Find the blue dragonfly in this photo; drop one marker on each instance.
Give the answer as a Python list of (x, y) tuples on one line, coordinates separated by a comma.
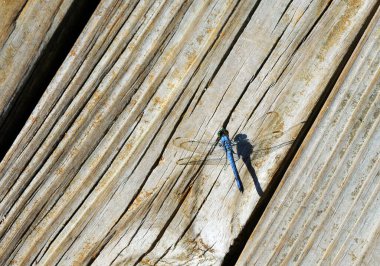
[(224, 150), (224, 141)]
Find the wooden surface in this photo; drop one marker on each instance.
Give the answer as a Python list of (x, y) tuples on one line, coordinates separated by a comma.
[(326, 211), (25, 29), (92, 176)]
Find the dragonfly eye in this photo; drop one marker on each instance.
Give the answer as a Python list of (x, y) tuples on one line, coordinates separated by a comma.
[(222, 132)]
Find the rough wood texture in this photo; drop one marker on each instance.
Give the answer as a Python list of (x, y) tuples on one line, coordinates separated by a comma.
[(92, 177), (25, 28), (8, 14), (326, 211)]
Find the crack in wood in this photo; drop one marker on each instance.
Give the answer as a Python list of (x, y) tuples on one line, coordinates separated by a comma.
[(239, 243), (44, 70), (157, 201)]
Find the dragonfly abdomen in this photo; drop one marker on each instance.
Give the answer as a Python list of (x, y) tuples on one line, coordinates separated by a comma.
[(234, 169), (228, 147)]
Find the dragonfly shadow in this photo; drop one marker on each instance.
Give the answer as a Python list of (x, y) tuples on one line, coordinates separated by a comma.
[(244, 150)]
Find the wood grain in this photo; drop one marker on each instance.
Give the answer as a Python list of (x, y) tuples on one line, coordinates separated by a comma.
[(327, 207), (25, 29), (92, 177)]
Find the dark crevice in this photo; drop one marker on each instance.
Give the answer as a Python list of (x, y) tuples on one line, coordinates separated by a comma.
[(100, 248), (236, 38), (20, 10), (159, 157), (155, 163), (239, 243), (285, 67), (162, 256), (171, 134), (60, 187), (231, 46), (44, 70), (70, 245), (107, 129), (59, 138), (165, 43), (250, 81), (60, 230), (12, 251), (164, 228), (69, 123), (223, 97), (283, 13), (267, 57), (196, 214), (253, 77), (312, 27), (224, 55), (88, 194), (197, 102)]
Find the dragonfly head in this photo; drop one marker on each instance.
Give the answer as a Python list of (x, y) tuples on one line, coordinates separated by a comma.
[(222, 132)]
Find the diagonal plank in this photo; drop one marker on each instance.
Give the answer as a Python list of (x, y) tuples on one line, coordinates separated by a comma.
[(93, 177), (9, 12), (327, 207), (35, 37), (21, 42)]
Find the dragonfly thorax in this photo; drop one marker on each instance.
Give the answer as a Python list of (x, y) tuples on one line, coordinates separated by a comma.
[(222, 132)]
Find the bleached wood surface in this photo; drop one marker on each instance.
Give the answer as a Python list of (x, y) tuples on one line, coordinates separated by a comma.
[(326, 211), (25, 29), (92, 177)]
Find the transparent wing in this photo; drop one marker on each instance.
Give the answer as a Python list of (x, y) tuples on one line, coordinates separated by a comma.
[(193, 145), (199, 146), (263, 151), (255, 154), (265, 144), (203, 160), (266, 140)]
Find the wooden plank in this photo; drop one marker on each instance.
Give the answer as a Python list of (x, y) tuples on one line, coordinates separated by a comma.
[(93, 177), (8, 13), (327, 207), (26, 27)]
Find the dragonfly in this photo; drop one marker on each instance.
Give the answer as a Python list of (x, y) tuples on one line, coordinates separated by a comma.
[(224, 150)]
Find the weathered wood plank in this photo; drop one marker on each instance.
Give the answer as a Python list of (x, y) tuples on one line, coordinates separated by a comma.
[(26, 27), (92, 177), (8, 13), (326, 211)]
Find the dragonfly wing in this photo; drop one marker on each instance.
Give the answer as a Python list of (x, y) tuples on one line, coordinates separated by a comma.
[(266, 139), (267, 124), (263, 151), (269, 128), (199, 160), (246, 148), (192, 144), (199, 146), (265, 144), (202, 160)]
